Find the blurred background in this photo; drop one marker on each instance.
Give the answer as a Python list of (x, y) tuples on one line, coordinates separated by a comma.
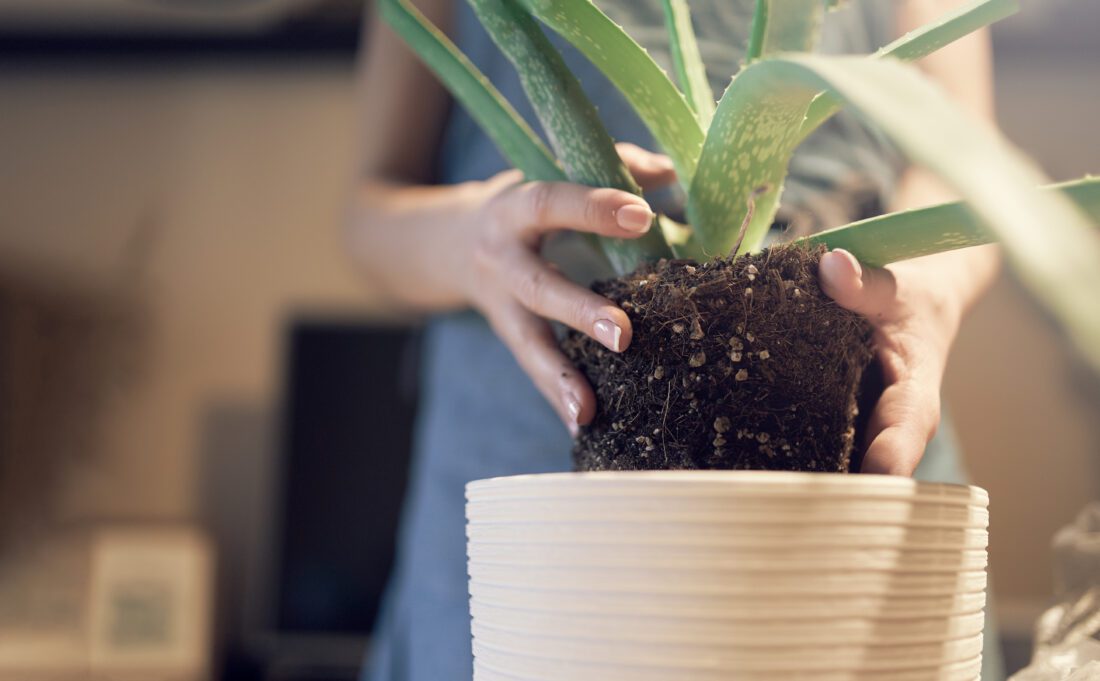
[(204, 413)]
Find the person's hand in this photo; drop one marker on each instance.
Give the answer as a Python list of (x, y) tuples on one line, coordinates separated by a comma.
[(916, 313), (504, 278)]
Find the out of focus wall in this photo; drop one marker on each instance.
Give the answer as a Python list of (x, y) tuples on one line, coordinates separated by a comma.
[(159, 225), (160, 222), (1025, 408), (206, 202)]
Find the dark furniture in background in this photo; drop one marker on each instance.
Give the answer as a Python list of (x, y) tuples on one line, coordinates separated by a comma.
[(303, 504), (167, 30), (345, 449), (345, 445)]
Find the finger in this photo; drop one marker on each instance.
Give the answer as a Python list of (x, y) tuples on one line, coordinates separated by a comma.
[(903, 422), (506, 177), (535, 208), (533, 344), (547, 293), (652, 171), (869, 291)]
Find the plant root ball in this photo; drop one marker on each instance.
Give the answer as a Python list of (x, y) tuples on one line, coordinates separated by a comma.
[(734, 364)]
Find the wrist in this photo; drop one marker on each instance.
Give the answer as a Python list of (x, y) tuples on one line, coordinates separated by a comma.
[(411, 242), (942, 288), (964, 274)]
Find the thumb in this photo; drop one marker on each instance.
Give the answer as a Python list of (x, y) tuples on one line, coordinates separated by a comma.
[(869, 291), (902, 424)]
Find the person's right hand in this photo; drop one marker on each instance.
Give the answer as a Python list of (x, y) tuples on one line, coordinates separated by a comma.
[(503, 276)]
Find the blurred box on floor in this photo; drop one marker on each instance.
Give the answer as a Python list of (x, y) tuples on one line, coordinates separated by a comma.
[(132, 602)]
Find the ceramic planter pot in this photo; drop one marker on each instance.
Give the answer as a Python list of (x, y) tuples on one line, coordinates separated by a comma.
[(725, 575)]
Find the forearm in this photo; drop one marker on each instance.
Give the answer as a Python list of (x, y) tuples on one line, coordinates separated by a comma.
[(406, 239), (964, 70), (915, 306), (403, 234)]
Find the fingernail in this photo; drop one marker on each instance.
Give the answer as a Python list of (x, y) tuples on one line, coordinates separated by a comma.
[(827, 268), (661, 162), (834, 271), (609, 333), (573, 406), (634, 218), (852, 260)]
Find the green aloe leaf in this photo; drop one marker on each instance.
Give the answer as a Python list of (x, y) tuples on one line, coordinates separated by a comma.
[(908, 234), (1052, 245), (784, 26), (691, 73), (658, 102), (963, 20), (766, 183), (578, 136), (511, 134), (959, 22), (740, 174), (576, 133)]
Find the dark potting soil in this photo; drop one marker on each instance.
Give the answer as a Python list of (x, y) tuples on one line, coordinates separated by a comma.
[(742, 364)]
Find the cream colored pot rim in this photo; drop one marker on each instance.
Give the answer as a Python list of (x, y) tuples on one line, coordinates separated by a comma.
[(764, 482)]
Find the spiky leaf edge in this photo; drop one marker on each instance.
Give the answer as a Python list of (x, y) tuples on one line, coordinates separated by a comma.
[(576, 132), (485, 104), (651, 93), (797, 28), (715, 230), (691, 73), (906, 234), (956, 24)]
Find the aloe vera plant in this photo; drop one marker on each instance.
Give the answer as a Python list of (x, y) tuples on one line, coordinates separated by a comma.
[(731, 156)]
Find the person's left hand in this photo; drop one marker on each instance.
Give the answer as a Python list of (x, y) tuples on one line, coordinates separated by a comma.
[(916, 315)]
